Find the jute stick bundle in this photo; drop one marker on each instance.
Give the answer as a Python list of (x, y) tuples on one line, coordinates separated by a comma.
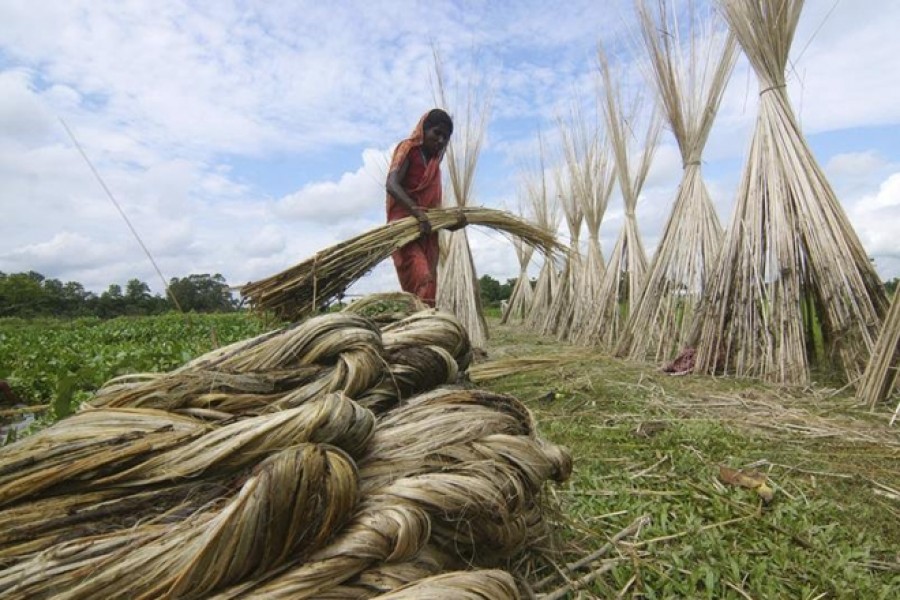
[(792, 270), (522, 295), (627, 265), (558, 317), (881, 372), (458, 291), (307, 287), (548, 216), (690, 89)]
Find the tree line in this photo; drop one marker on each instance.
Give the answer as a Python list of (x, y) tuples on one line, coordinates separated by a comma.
[(29, 295)]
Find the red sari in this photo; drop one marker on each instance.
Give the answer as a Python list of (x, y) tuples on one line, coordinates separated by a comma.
[(416, 262)]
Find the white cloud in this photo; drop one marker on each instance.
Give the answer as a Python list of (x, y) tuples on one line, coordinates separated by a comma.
[(325, 202), (169, 100), (875, 217), (65, 250)]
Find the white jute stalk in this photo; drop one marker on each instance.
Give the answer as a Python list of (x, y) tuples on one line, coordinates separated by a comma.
[(690, 78), (791, 265), (548, 217), (458, 291), (628, 261), (881, 372)]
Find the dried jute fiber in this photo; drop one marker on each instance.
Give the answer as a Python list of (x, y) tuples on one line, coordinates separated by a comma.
[(326, 460)]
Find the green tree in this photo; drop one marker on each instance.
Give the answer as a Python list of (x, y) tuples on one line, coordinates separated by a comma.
[(492, 291), (76, 299), (202, 293), (138, 299), (111, 302), (891, 286), (21, 294)]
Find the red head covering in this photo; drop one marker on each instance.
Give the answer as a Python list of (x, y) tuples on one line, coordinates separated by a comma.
[(423, 179)]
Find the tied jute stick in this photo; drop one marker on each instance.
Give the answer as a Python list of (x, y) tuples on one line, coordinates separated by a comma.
[(293, 293)]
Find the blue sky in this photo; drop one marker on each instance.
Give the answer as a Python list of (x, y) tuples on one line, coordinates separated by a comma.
[(242, 137)]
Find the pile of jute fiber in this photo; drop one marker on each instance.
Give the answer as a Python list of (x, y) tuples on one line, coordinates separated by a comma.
[(325, 460)]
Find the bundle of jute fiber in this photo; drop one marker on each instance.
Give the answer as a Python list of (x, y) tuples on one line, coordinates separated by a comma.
[(30, 527), (99, 479), (384, 577), (97, 448), (462, 585), (289, 505), (455, 474), (332, 352), (284, 369), (305, 288), (320, 500), (422, 351)]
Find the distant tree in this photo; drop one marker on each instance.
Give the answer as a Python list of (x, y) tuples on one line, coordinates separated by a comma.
[(202, 293), (138, 299), (492, 291), (111, 302), (891, 286), (76, 300), (21, 294)]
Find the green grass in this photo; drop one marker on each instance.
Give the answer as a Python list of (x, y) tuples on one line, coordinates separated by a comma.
[(828, 532)]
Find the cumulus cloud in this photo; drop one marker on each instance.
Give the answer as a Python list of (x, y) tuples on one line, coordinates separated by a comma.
[(876, 217), (63, 251), (172, 100), (359, 192)]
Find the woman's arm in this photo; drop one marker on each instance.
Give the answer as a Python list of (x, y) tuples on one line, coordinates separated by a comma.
[(395, 189)]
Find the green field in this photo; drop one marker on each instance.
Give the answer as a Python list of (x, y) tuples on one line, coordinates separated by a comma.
[(59, 363), (644, 445)]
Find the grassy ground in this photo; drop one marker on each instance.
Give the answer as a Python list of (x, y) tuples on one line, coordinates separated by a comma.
[(649, 445)]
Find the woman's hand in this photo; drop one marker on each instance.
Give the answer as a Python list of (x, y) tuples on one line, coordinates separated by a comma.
[(424, 223), (461, 222)]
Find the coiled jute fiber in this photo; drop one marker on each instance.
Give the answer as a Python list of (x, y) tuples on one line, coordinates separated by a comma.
[(321, 461)]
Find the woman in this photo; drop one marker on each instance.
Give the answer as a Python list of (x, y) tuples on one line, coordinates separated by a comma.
[(413, 187)]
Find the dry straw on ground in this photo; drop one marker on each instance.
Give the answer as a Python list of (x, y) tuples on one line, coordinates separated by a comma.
[(793, 286), (305, 288), (322, 499)]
